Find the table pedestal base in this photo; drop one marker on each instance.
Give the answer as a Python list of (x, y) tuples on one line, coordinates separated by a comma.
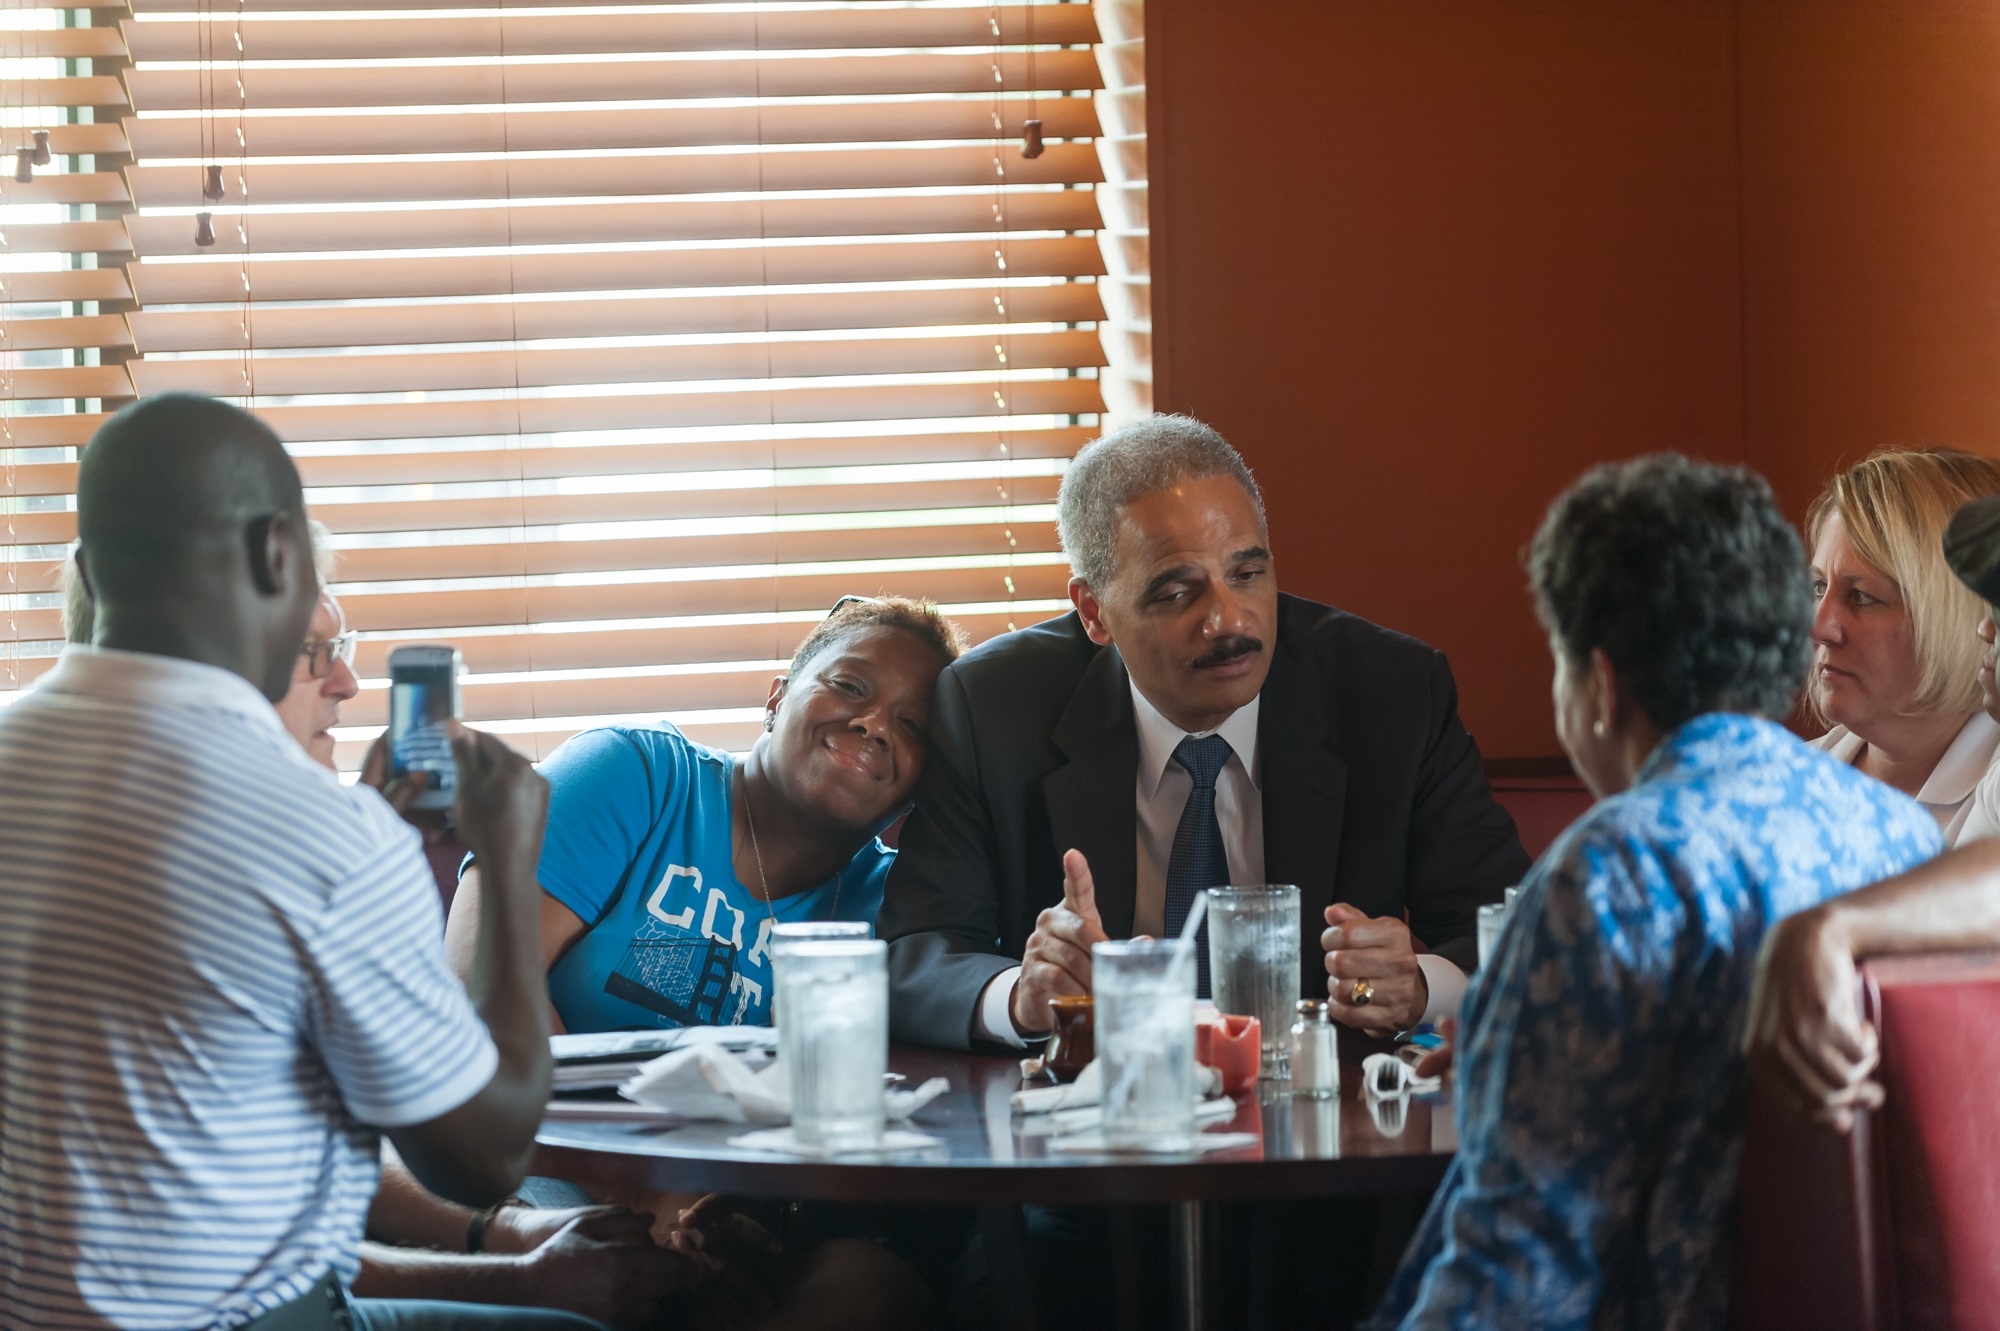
[(1189, 1269)]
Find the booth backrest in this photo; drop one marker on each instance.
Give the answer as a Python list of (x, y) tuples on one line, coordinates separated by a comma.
[(1541, 805), (1804, 1254), (1937, 1139), (1898, 1225)]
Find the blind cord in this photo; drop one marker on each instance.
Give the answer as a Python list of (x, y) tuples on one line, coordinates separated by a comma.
[(13, 500), (514, 357), (1003, 488), (243, 216), (764, 303)]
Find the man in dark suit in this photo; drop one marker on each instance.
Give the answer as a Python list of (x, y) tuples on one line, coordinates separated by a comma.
[(1186, 727)]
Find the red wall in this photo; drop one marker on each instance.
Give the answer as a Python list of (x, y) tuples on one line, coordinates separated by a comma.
[(1424, 262), (1871, 237)]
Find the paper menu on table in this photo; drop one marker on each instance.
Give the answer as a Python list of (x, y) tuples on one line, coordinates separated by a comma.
[(607, 1046), (601, 1060)]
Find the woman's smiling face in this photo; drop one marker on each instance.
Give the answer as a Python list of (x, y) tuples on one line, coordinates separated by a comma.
[(849, 733)]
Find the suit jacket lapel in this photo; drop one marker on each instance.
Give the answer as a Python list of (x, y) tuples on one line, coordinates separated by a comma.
[(1305, 796), (1091, 798)]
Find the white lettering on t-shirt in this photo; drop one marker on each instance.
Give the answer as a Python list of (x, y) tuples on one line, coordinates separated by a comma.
[(758, 952), (748, 991), (656, 905), (735, 935)]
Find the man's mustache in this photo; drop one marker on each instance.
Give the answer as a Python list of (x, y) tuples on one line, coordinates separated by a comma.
[(1228, 649)]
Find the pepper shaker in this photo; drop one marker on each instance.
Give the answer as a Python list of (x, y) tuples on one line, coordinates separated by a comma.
[(1315, 1053)]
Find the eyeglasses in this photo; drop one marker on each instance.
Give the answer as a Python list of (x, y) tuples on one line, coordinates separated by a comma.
[(852, 600), (321, 655)]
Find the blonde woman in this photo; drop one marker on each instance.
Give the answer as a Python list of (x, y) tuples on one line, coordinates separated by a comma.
[(1896, 635)]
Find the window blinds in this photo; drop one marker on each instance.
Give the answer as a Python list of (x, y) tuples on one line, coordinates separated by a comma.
[(615, 341), (62, 292), (1126, 240)]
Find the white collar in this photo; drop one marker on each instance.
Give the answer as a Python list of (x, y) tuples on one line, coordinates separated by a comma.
[(1159, 737), (1952, 781), (157, 681), (1958, 772)]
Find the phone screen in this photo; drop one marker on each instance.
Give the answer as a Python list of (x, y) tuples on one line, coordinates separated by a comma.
[(423, 695)]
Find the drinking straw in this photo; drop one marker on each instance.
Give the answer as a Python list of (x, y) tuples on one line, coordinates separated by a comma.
[(1196, 914)]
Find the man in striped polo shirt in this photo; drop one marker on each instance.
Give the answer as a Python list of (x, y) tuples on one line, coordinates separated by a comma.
[(221, 975)]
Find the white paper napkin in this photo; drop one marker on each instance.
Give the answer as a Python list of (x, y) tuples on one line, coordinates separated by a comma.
[(1088, 1089), (705, 1082), (1085, 1090)]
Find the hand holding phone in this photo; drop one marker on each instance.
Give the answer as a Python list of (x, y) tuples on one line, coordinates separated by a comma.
[(423, 700)]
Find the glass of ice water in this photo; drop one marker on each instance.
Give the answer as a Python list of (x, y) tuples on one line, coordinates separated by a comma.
[(801, 930), (1253, 963), (834, 1039), (798, 931), (1491, 917), (1145, 1042)]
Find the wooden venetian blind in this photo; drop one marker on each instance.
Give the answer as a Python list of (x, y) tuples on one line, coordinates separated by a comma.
[(616, 341), (62, 290), (1127, 287)]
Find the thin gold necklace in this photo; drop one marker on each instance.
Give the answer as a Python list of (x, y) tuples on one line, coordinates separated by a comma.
[(757, 851), (750, 817)]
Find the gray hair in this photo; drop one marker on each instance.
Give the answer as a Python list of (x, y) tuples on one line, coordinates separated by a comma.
[(323, 551), (79, 613), (1153, 455)]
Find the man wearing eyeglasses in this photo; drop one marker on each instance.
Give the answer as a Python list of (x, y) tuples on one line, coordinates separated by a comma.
[(322, 680)]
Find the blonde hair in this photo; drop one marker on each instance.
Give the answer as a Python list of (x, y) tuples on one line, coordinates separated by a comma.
[(1895, 505)]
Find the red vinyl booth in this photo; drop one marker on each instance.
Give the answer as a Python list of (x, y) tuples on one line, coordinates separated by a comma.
[(1898, 1225), (1542, 797)]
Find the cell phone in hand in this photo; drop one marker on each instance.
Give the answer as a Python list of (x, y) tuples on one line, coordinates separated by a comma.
[(423, 695)]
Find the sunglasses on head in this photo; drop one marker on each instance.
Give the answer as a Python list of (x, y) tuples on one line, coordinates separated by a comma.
[(852, 600)]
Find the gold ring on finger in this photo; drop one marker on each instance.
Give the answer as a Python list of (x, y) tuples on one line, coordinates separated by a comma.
[(1362, 994)]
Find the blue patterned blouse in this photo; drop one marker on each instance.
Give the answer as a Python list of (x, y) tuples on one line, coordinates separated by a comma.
[(1600, 1076)]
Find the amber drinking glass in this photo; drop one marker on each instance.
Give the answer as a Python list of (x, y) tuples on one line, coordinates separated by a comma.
[(1074, 1041)]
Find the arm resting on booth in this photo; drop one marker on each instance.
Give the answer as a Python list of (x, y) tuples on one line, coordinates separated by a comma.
[(1806, 1016)]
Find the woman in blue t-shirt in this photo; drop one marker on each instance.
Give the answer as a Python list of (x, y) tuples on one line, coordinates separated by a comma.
[(668, 863)]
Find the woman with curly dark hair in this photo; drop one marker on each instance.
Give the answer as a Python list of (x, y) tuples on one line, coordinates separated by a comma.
[(1600, 1069)]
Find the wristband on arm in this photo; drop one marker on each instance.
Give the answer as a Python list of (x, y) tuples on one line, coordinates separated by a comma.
[(475, 1230)]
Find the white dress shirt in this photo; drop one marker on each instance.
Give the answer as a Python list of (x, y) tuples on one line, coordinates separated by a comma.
[(1160, 796), (1971, 765)]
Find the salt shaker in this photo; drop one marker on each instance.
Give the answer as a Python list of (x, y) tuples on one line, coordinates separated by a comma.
[(1315, 1056)]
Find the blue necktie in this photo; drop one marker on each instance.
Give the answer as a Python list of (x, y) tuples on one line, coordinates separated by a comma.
[(1199, 860)]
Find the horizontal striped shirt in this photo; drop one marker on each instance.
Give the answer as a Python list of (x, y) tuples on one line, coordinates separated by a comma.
[(220, 974)]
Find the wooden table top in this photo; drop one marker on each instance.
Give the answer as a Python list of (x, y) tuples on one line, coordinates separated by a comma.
[(1306, 1148)]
